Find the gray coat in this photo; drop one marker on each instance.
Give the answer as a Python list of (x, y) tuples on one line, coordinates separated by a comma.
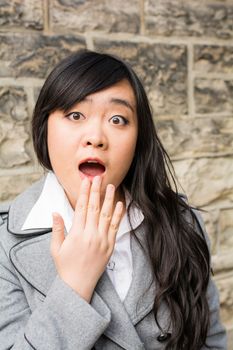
[(39, 311)]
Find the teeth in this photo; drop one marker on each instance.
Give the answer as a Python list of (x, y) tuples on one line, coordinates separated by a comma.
[(92, 161)]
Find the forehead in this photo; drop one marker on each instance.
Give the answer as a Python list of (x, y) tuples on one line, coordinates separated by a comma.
[(120, 93)]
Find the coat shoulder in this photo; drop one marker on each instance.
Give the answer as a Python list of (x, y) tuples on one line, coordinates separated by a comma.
[(23, 200)]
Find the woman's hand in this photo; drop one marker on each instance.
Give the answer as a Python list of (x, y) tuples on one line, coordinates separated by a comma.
[(81, 257)]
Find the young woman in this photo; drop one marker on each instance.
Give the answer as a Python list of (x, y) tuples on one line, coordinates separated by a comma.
[(102, 253)]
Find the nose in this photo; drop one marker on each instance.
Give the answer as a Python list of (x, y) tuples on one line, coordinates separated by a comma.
[(95, 137)]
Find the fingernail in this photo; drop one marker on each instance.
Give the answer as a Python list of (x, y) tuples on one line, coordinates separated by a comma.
[(110, 188)]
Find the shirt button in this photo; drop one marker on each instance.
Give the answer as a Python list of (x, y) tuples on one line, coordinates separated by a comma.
[(163, 337)]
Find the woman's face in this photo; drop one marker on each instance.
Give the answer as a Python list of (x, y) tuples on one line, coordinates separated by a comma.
[(97, 136)]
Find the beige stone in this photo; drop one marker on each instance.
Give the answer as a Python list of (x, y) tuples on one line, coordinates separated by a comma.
[(12, 185), (225, 287), (34, 55), (102, 15), (217, 59), (189, 18), (208, 181), (211, 218), (226, 229), (21, 13), (196, 137), (213, 96), (13, 145)]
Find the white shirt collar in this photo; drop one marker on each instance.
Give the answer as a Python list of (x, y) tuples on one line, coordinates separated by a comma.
[(53, 199)]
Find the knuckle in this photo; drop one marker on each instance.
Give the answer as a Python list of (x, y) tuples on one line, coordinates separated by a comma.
[(81, 207), (106, 216), (113, 226), (92, 207)]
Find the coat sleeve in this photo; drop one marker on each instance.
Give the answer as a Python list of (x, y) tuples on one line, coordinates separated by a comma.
[(63, 321), (216, 338)]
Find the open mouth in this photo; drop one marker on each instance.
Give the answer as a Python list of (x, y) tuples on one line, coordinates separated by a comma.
[(92, 168)]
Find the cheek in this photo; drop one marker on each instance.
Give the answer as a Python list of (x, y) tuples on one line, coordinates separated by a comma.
[(57, 142)]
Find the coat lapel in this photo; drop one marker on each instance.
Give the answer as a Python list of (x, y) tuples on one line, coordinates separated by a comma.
[(31, 258)]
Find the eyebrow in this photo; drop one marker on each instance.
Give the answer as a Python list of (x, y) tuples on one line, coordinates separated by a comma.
[(122, 102), (115, 100)]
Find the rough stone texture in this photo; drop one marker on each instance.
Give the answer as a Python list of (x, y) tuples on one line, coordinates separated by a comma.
[(101, 15), (11, 186), (207, 181), (21, 13), (226, 230), (162, 68), (213, 58), (211, 218), (13, 136), (23, 55), (196, 137), (225, 287), (213, 96), (189, 18)]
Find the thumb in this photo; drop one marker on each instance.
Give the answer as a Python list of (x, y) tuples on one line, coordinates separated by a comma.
[(58, 235)]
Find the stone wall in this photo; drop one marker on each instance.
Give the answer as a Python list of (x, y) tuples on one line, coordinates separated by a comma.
[(183, 52)]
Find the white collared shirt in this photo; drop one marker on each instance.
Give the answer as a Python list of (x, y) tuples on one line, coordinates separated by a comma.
[(53, 199)]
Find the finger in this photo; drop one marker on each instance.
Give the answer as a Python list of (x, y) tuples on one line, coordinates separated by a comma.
[(115, 223), (58, 235), (106, 210), (81, 206), (94, 203)]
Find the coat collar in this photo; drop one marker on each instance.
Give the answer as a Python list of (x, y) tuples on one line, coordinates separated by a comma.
[(31, 258)]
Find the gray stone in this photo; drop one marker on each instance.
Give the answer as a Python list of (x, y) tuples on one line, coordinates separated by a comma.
[(162, 69), (13, 103), (34, 55), (102, 15), (208, 182), (213, 96), (14, 121), (12, 185), (13, 145), (217, 59), (196, 137), (189, 18), (23, 13)]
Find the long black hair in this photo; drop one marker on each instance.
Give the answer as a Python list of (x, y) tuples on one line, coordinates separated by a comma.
[(178, 252)]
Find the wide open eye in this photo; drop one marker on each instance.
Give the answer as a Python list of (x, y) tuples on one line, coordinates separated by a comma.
[(75, 116), (118, 120)]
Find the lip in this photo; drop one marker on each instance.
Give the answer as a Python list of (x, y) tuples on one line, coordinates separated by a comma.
[(90, 159)]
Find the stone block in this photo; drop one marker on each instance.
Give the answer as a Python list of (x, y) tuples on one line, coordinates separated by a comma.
[(14, 121), (161, 67), (196, 137), (13, 103), (226, 229), (23, 13), (12, 185), (34, 55), (213, 96), (211, 218), (208, 182), (189, 18), (108, 16), (225, 287), (213, 58)]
